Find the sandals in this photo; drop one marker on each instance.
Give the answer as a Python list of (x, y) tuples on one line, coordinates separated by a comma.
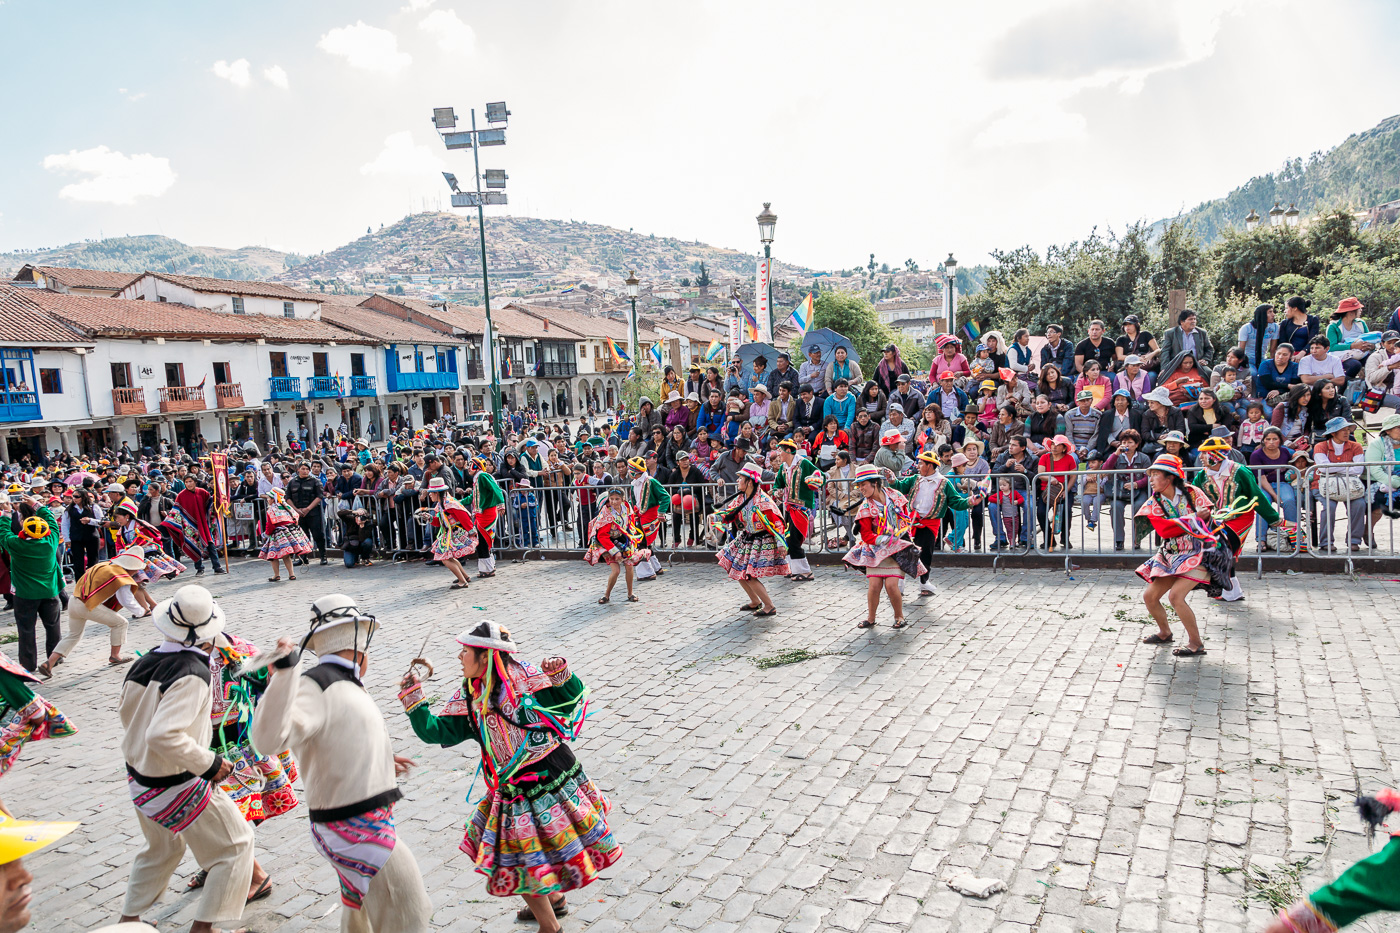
[(483, 576), (44, 671), (1187, 651), (632, 598), (561, 909), (291, 576), (769, 612), (1156, 639), (197, 880), (748, 608), (457, 585), (124, 659), (900, 623), (866, 623), (269, 580), (264, 890), (605, 599), (803, 577)]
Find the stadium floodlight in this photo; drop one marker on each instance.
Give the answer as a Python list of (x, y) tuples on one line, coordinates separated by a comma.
[(451, 181), (497, 112), (496, 178), (444, 118)]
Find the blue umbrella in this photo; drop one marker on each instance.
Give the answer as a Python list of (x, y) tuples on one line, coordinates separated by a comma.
[(828, 340), (748, 351)]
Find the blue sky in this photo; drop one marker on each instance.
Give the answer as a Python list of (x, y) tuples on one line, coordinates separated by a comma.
[(909, 129)]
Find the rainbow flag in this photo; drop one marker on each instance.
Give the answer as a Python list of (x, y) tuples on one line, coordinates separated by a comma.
[(713, 351), (801, 316), (750, 323), (972, 331), (618, 354), (656, 354)]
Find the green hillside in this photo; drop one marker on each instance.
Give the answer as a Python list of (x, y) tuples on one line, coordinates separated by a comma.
[(1360, 173), (157, 254)]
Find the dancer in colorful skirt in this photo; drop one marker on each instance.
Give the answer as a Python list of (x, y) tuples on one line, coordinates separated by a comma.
[(1190, 554), (172, 773), (35, 717), (615, 538), (283, 539), (795, 490), (348, 767), (129, 531), (454, 536), (933, 497), (757, 548), (651, 501), (1369, 885), (883, 549), (484, 501), (260, 785), (1232, 488), (99, 596), (195, 528), (541, 828)]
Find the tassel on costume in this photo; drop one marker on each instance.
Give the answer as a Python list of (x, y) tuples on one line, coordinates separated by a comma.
[(1374, 810)]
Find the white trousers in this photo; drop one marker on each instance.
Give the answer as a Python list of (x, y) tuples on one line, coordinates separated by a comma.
[(486, 565), (80, 615), (396, 901), (799, 565), (222, 843), (1235, 592)]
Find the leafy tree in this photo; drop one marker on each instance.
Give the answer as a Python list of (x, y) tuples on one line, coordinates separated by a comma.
[(1245, 263), (685, 283), (911, 266), (1178, 262), (853, 316), (704, 278), (870, 267)]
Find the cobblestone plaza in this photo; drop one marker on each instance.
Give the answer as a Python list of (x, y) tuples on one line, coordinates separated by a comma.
[(795, 774)]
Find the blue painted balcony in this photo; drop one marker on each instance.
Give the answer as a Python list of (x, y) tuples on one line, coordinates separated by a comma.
[(362, 385), (284, 387), (325, 387), (19, 405), (422, 382)]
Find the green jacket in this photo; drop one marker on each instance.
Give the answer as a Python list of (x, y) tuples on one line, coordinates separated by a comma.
[(487, 492), (1380, 451), (1242, 483), (949, 498), (448, 731), (1335, 338), (34, 565), (654, 494), (804, 468)]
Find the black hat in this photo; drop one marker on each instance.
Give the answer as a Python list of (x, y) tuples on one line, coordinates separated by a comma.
[(890, 348), (743, 443)]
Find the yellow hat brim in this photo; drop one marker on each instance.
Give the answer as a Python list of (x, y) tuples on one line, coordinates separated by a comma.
[(19, 838)]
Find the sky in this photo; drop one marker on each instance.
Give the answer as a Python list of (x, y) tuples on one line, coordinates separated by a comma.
[(910, 130)]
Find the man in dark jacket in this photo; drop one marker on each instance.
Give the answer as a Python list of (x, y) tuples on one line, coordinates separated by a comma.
[(356, 536), (1059, 351), (809, 410), (305, 494)]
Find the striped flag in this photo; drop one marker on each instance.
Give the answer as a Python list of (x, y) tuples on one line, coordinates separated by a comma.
[(972, 331), (656, 354), (713, 351), (618, 354), (750, 323), (801, 316)]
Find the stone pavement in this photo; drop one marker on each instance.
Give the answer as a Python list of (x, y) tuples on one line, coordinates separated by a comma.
[(1017, 730)]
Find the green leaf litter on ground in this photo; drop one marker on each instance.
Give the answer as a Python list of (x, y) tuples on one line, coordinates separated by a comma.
[(792, 656)]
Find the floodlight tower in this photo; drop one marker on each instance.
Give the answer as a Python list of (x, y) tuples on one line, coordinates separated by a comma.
[(445, 121)]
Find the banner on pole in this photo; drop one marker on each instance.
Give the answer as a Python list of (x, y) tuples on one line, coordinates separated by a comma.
[(734, 337), (761, 310), (218, 465)]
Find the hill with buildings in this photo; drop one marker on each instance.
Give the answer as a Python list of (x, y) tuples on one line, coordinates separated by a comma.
[(155, 254)]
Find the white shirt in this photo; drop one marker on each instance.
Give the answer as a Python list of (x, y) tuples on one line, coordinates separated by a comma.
[(924, 491), (1312, 366)]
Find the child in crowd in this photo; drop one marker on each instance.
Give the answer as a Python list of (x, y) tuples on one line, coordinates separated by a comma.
[(1008, 503), (1093, 491), (1251, 433)]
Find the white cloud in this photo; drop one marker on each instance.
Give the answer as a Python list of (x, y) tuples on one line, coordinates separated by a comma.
[(402, 156), (115, 178), (236, 73), (276, 75), (415, 5), (367, 47), (453, 35)]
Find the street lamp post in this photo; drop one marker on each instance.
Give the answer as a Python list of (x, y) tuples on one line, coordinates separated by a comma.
[(950, 269), (1290, 216), (767, 220), (445, 119), (634, 288), (1251, 223), (1276, 215)]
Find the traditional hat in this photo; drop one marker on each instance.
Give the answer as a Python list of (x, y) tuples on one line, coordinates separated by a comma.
[(760, 387), (929, 456), (1172, 437), (942, 340), (488, 634), (752, 472), (190, 617), (1336, 424), (436, 484), (789, 443), (972, 408), (19, 838), (890, 437), (338, 625), (638, 464), (1214, 445), (869, 473), (1167, 463), (972, 441), (481, 463), (34, 527)]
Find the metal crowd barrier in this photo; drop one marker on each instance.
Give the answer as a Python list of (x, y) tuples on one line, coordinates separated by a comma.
[(1330, 495)]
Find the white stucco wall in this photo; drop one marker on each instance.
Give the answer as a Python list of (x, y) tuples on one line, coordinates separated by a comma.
[(150, 288)]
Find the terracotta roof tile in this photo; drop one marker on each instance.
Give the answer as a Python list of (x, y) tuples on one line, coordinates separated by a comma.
[(585, 325), (23, 321), (384, 327), (79, 278), (201, 283), (124, 318)]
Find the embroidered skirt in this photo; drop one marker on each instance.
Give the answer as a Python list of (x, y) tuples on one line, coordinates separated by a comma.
[(750, 557), (39, 719), (286, 541), (159, 564), (630, 556), (454, 543), (539, 836), (886, 558)]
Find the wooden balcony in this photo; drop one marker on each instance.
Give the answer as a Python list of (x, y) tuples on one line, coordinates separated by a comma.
[(129, 401), (616, 366), (182, 398), (229, 394)]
